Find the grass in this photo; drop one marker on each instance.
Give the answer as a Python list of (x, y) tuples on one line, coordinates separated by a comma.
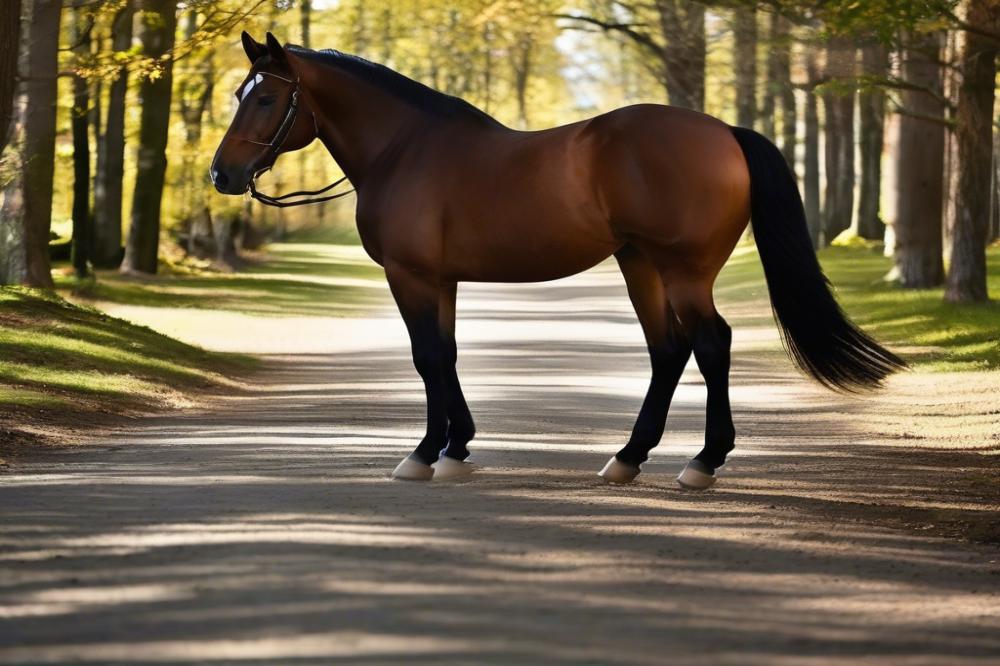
[(295, 279), (64, 366), (932, 334)]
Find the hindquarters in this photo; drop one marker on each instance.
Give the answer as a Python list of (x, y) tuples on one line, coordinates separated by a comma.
[(674, 181)]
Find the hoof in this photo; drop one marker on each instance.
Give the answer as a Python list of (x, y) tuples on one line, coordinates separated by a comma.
[(448, 469), (696, 476), (411, 469), (618, 472)]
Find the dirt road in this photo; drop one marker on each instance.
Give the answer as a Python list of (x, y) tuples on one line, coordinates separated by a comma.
[(263, 529)]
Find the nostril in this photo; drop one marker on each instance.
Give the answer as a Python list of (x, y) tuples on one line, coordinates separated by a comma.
[(220, 179)]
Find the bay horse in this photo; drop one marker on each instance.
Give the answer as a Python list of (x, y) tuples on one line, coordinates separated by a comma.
[(447, 194)]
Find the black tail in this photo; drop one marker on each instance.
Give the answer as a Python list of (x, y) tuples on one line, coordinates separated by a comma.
[(815, 331)]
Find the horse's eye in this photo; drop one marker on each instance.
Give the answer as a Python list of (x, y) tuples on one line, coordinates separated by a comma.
[(266, 100)]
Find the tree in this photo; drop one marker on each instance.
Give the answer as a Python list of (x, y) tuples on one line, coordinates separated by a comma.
[(10, 41), (838, 102), (919, 167), (810, 184), (966, 280), (27, 208), (745, 64), (871, 105), (785, 91), (110, 168), (157, 25), (672, 34), (83, 23)]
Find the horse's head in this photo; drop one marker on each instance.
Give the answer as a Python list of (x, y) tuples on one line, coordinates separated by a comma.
[(272, 118)]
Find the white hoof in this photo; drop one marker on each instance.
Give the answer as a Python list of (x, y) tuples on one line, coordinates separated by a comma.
[(447, 469), (411, 469), (618, 472), (696, 476)]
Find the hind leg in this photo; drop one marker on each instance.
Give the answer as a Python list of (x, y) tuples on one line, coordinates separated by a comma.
[(669, 351), (461, 428), (711, 339)]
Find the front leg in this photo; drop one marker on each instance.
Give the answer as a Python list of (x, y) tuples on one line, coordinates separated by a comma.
[(418, 296)]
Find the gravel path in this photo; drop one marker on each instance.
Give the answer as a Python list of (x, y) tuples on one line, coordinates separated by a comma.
[(264, 529)]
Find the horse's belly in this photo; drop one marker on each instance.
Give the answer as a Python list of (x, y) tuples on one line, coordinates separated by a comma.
[(525, 255)]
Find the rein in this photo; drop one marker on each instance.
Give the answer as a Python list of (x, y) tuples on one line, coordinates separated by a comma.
[(274, 147)]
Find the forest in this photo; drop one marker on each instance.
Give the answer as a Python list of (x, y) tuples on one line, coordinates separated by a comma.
[(110, 112)]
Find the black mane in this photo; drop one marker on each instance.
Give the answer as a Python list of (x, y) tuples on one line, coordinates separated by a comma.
[(412, 92)]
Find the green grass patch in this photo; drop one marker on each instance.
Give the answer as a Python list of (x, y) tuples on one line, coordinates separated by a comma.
[(940, 336), (295, 279), (59, 362)]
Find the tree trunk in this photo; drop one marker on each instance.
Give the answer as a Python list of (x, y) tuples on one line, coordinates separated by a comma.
[(683, 27), (10, 43), (767, 104), (745, 65), (995, 207), (13, 256), (811, 180), (82, 26), (39, 140), (158, 23), (305, 22), (521, 63), (966, 280), (871, 104), (108, 184), (919, 168), (839, 143), (785, 91)]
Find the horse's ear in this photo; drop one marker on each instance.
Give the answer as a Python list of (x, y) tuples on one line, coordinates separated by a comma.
[(275, 49), (253, 48)]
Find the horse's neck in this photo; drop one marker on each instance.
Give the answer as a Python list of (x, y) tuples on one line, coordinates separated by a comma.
[(357, 121)]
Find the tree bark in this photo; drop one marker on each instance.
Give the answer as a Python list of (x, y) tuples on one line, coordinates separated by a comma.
[(157, 25), (683, 26), (786, 92), (995, 207), (521, 60), (920, 167), (966, 281), (811, 159), (745, 64), (839, 141), (768, 105), (305, 22), (38, 151), (10, 43), (109, 181), (871, 104), (82, 26)]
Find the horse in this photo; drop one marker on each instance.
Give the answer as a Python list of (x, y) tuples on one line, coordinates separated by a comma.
[(446, 194)]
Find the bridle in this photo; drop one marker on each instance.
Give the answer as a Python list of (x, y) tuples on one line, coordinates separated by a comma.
[(274, 147)]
